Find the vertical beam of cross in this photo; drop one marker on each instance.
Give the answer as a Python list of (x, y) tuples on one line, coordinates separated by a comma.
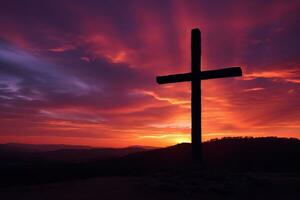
[(196, 94)]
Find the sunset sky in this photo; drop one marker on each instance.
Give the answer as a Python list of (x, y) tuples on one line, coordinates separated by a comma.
[(83, 72)]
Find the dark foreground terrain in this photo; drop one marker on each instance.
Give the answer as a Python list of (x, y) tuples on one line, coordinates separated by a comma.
[(233, 168), (164, 186)]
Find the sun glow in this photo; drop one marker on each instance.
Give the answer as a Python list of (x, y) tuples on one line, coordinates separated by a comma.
[(185, 138)]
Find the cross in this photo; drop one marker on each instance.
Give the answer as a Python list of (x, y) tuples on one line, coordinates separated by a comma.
[(195, 76)]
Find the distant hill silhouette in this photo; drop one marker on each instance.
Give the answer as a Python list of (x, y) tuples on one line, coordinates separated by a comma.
[(269, 154), (18, 147), (13, 153)]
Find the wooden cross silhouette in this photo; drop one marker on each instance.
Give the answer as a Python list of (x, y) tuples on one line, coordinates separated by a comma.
[(195, 76)]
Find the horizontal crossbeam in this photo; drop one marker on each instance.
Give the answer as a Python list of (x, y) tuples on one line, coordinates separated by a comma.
[(174, 78), (221, 73), (204, 75)]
